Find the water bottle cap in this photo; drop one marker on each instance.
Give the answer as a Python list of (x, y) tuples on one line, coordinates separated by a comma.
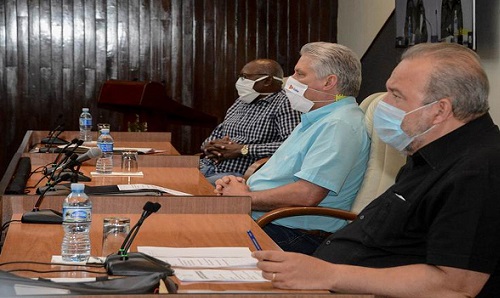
[(77, 186), (85, 109), (105, 130)]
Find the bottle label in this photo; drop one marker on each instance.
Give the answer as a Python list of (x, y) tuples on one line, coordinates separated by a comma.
[(85, 121), (77, 214), (106, 147)]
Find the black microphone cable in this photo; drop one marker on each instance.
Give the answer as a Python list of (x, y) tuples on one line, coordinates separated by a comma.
[(53, 165), (68, 154), (73, 142), (53, 138)]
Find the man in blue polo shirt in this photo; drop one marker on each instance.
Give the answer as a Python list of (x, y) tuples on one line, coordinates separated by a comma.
[(323, 161)]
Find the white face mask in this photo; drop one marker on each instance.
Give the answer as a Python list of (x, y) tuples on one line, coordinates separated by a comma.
[(295, 92), (245, 89)]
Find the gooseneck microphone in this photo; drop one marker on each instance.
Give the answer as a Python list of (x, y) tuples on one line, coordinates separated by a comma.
[(73, 142), (148, 209), (51, 134), (54, 139), (56, 163), (46, 216), (68, 163), (70, 152), (92, 153), (135, 263)]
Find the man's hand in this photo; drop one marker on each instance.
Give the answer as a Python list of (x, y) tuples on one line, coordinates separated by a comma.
[(289, 270), (222, 149), (231, 186)]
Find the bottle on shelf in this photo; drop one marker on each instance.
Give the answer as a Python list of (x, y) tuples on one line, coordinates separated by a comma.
[(104, 164), (85, 125), (77, 215)]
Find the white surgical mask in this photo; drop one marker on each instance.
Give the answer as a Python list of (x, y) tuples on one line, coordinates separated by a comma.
[(295, 92), (245, 88), (387, 121)]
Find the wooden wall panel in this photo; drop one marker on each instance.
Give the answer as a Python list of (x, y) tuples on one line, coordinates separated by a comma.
[(55, 55)]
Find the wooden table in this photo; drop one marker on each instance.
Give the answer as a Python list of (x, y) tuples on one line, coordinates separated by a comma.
[(157, 140), (38, 242), (174, 172), (188, 180)]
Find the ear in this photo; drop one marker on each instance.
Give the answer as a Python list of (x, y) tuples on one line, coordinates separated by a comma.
[(331, 82), (444, 110), (268, 81)]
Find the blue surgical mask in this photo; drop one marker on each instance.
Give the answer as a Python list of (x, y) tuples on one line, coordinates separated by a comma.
[(387, 121)]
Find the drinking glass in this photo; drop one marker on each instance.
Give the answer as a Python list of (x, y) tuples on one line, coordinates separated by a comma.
[(114, 232), (129, 161)]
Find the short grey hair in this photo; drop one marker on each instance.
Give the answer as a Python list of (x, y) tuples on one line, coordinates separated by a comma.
[(457, 74), (335, 59)]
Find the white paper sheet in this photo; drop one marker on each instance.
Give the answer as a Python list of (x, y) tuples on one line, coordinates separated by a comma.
[(187, 275), (196, 252), (202, 257), (118, 174), (151, 186), (211, 262)]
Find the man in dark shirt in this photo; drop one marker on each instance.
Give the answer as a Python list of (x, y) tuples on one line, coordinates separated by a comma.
[(436, 231)]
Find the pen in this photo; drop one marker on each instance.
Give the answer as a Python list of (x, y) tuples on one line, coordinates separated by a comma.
[(255, 243)]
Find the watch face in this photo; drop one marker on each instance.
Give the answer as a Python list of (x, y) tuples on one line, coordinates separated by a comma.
[(244, 150)]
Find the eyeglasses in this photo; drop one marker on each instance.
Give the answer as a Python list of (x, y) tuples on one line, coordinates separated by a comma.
[(249, 75)]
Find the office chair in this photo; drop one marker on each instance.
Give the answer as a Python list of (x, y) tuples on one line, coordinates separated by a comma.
[(383, 165)]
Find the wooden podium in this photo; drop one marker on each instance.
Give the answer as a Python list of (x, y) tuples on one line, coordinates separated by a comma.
[(150, 101)]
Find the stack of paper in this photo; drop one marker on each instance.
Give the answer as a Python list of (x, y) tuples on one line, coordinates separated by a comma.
[(208, 263)]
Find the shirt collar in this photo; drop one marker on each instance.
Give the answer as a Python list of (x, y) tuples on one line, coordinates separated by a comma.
[(447, 145), (271, 97), (310, 117)]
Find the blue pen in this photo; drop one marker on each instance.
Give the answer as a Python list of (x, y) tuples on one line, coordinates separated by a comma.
[(254, 240)]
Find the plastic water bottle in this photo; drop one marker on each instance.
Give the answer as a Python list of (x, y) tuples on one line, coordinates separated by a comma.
[(85, 125), (104, 164), (77, 215)]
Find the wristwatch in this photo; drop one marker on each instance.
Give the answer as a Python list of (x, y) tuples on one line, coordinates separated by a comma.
[(244, 150)]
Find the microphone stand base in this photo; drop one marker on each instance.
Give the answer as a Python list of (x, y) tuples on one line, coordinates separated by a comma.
[(46, 216), (54, 141), (56, 190), (135, 263)]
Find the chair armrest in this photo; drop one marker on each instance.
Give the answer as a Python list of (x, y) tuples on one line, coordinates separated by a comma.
[(295, 211), (255, 167)]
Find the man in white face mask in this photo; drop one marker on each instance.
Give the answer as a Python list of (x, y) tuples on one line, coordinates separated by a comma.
[(254, 126), (323, 161)]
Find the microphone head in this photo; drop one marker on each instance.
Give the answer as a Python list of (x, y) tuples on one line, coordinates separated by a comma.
[(79, 142), (151, 207), (94, 152), (157, 206), (74, 141)]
